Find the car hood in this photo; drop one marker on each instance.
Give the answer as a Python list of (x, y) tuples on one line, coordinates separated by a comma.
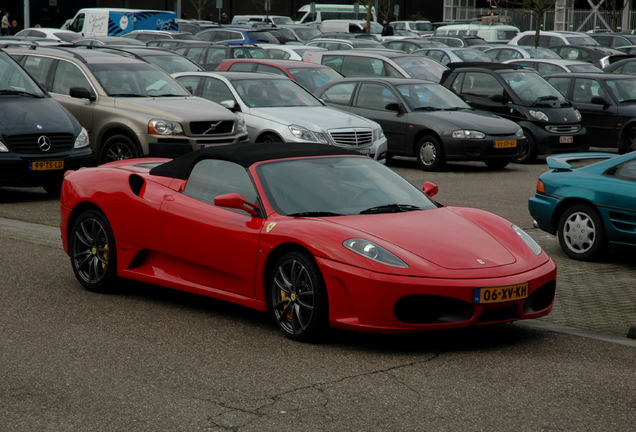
[(187, 108), (313, 118), (440, 236), (466, 119), (23, 115)]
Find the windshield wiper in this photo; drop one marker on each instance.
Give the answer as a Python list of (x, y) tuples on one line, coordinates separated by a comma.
[(628, 101), (391, 208), (127, 95), (171, 95), (451, 108), (314, 213), (19, 93), (427, 108), (545, 98)]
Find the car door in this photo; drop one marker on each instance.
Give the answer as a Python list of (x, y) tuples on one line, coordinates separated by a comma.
[(599, 120), (212, 246), (478, 90), (66, 76), (370, 102), (619, 195)]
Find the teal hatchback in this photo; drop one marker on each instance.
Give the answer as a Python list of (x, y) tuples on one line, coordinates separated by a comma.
[(589, 207)]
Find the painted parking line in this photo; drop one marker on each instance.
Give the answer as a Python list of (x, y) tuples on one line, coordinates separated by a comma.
[(38, 234)]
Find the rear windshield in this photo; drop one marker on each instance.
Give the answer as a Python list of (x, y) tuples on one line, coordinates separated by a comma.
[(261, 36), (421, 68), (581, 40)]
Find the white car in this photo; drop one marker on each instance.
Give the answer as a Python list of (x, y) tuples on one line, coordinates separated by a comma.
[(50, 33), (550, 39), (288, 52), (277, 109)]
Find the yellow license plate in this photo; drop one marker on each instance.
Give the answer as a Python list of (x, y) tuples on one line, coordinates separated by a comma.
[(500, 294), (47, 165), (505, 143)]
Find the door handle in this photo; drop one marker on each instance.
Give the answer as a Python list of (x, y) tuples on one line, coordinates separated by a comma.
[(168, 198)]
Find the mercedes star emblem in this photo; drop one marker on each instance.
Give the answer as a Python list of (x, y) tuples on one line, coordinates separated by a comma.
[(44, 143)]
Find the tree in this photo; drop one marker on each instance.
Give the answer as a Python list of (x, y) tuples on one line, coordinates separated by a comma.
[(384, 8), (200, 7), (537, 8)]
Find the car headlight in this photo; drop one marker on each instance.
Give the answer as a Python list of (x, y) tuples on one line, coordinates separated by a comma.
[(241, 126), (533, 245), (164, 127), (539, 115), (305, 134), (3, 147), (519, 133), (577, 114), (471, 134), (81, 140), (370, 250), (378, 133)]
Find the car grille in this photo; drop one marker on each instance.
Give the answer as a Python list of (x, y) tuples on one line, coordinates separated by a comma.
[(28, 143), (212, 127), (563, 129), (352, 137)]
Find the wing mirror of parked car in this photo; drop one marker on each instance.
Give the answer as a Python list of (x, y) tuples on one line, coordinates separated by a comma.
[(394, 106), (499, 98), (81, 93), (599, 100), (231, 105), (236, 201), (430, 189)]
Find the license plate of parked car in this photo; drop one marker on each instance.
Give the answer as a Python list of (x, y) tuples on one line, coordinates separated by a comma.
[(566, 139), (505, 143), (47, 165), (500, 294)]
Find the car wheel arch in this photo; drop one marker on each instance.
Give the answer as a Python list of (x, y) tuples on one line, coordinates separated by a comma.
[(118, 129), (422, 133), (566, 204), (622, 143), (266, 133), (77, 211), (273, 257)]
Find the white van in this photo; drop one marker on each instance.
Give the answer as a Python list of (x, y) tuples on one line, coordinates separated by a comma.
[(271, 19), (492, 33), (117, 22), (333, 12)]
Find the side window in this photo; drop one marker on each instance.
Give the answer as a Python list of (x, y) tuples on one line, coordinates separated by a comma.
[(339, 93), (571, 53), (445, 59), (240, 53), (214, 56), (190, 83), (242, 67), (196, 54), (269, 69), (362, 66), (375, 96), (619, 41), (547, 68), (435, 55), (216, 90), (585, 89), (526, 40), (68, 75), (561, 84), (78, 24), (629, 68), (456, 43), (278, 54), (481, 84), (626, 171), (231, 35), (257, 53), (409, 47), (211, 178), (39, 68), (457, 84), (333, 61)]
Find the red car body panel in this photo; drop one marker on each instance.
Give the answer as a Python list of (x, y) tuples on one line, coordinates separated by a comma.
[(166, 238)]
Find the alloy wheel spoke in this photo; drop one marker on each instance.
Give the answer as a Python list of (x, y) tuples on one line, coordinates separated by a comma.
[(281, 286), (284, 278), (298, 312)]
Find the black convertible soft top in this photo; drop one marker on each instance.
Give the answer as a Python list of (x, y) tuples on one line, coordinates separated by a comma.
[(245, 154)]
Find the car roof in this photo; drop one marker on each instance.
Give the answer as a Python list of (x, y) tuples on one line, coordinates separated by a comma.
[(365, 53), (87, 56), (246, 155), (280, 63), (601, 75), (388, 80), (484, 65), (562, 62)]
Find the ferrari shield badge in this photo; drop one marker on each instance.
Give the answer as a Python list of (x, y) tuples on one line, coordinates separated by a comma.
[(270, 227)]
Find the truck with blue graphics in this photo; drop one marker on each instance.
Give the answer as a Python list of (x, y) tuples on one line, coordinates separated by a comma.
[(117, 22)]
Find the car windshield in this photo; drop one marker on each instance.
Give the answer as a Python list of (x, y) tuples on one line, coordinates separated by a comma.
[(430, 97), (624, 90), (14, 81), (469, 55), (421, 68), (307, 33), (173, 63), (312, 78), (422, 26), (530, 87), (282, 20), (261, 93), (587, 67), (333, 186), (262, 37), (67, 37), (135, 80), (581, 40), (541, 53)]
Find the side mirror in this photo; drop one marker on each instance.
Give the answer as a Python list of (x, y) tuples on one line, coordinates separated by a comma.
[(236, 201), (81, 93), (598, 100), (397, 107), (499, 98), (430, 189), (231, 105)]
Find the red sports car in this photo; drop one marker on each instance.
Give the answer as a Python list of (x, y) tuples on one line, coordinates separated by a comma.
[(318, 235)]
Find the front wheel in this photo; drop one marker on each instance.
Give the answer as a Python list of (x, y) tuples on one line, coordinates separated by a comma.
[(581, 233), (269, 138), (298, 298), (528, 151), (93, 252), (118, 147), (430, 154)]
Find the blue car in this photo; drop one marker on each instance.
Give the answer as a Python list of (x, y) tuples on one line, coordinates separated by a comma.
[(589, 207)]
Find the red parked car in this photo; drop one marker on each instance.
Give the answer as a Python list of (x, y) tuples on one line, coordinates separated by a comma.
[(318, 235), (309, 75)]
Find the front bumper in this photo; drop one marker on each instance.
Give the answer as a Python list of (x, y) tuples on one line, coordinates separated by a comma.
[(550, 142), (16, 169), (482, 149), (170, 147), (365, 301), (541, 208)]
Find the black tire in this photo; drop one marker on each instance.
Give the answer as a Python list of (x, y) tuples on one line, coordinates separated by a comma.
[(497, 164), (53, 186), (388, 158), (269, 138), (628, 143), (430, 154), (118, 147), (93, 251), (581, 233), (298, 298), (528, 151)]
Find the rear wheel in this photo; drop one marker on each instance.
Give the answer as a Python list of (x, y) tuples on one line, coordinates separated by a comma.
[(118, 147), (581, 233), (528, 150), (497, 163), (629, 141), (298, 298), (93, 252), (430, 154)]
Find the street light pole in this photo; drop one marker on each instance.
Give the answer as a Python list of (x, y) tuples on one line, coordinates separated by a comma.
[(27, 14)]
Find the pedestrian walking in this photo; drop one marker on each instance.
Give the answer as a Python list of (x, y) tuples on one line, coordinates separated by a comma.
[(387, 29), (4, 24)]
